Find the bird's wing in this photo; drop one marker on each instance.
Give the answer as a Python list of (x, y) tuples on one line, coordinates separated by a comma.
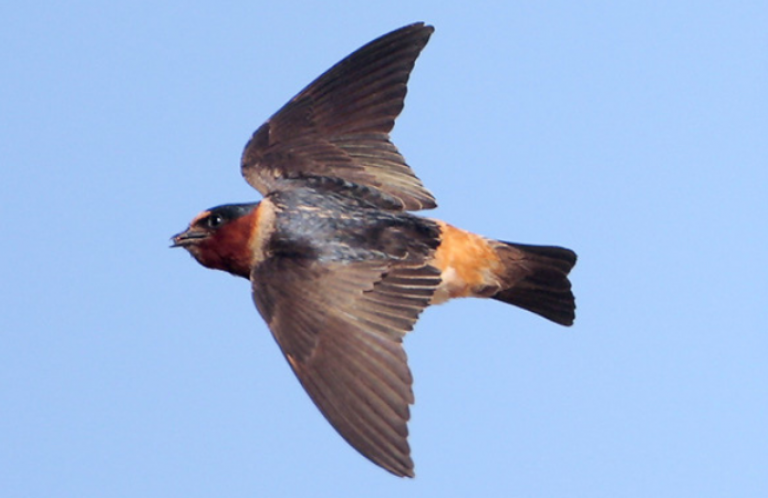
[(340, 325), (335, 132)]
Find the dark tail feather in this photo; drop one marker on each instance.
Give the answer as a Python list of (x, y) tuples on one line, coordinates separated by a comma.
[(538, 280)]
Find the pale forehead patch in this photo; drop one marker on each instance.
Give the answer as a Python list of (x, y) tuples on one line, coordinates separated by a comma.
[(199, 217)]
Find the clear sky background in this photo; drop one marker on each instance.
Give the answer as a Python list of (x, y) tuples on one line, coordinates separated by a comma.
[(634, 133)]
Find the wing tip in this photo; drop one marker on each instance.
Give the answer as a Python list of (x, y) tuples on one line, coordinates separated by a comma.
[(405, 471)]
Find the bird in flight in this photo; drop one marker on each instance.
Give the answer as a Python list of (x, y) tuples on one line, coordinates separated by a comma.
[(339, 268)]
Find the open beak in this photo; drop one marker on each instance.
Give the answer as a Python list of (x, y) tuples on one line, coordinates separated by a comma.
[(188, 237)]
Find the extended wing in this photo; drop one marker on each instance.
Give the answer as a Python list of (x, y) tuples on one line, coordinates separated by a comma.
[(335, 133), (340, 325)]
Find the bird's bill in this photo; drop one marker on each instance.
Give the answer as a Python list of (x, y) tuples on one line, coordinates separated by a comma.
[(188, 237)]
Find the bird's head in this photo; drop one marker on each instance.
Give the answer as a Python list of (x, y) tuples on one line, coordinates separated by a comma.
[(219, 238)]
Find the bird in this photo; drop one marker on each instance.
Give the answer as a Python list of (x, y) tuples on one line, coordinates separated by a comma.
[(340, 268)]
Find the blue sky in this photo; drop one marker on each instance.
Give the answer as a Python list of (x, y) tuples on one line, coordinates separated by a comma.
[(634, 133)]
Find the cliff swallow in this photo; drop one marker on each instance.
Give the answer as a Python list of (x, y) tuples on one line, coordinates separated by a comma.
[(339, 269)]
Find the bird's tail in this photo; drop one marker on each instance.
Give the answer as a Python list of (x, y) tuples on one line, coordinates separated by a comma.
[(535, 278)]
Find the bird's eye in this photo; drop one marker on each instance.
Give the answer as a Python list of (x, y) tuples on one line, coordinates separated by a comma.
[(215, 221)]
